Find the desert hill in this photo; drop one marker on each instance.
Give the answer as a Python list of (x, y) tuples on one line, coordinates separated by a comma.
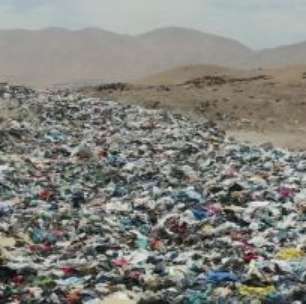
[(185, 73), (58, 56), (289, 74), (172, 47), (294, 54)]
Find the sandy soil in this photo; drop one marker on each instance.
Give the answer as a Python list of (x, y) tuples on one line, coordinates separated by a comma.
[(256, 106)]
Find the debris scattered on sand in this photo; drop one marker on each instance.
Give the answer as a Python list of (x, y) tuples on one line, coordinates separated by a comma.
[(221, 80), (99, 199)]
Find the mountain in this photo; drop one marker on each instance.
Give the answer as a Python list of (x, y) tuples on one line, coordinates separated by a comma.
[(294, 54), (172, 47), (58, 56)]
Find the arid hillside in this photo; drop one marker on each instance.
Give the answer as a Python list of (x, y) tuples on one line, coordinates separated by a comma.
[(59, 56), (261, 105)]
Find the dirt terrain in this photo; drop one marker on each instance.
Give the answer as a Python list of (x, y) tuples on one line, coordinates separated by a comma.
[(259, 106)]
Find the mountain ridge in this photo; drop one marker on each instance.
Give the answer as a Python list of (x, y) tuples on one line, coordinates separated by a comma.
[(57, 55)]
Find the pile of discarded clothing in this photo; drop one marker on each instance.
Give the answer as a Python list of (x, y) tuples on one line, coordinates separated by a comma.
[(100, 199)]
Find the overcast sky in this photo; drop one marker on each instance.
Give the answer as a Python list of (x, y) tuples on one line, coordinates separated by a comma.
[(256, 23)]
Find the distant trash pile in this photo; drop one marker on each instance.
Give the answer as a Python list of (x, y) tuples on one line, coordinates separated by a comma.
[(205, 81), (100, 199)]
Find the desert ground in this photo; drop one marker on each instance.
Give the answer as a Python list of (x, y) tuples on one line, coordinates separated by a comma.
[(257, 106)]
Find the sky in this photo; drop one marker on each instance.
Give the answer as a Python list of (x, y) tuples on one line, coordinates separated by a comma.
[(256, 23)]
